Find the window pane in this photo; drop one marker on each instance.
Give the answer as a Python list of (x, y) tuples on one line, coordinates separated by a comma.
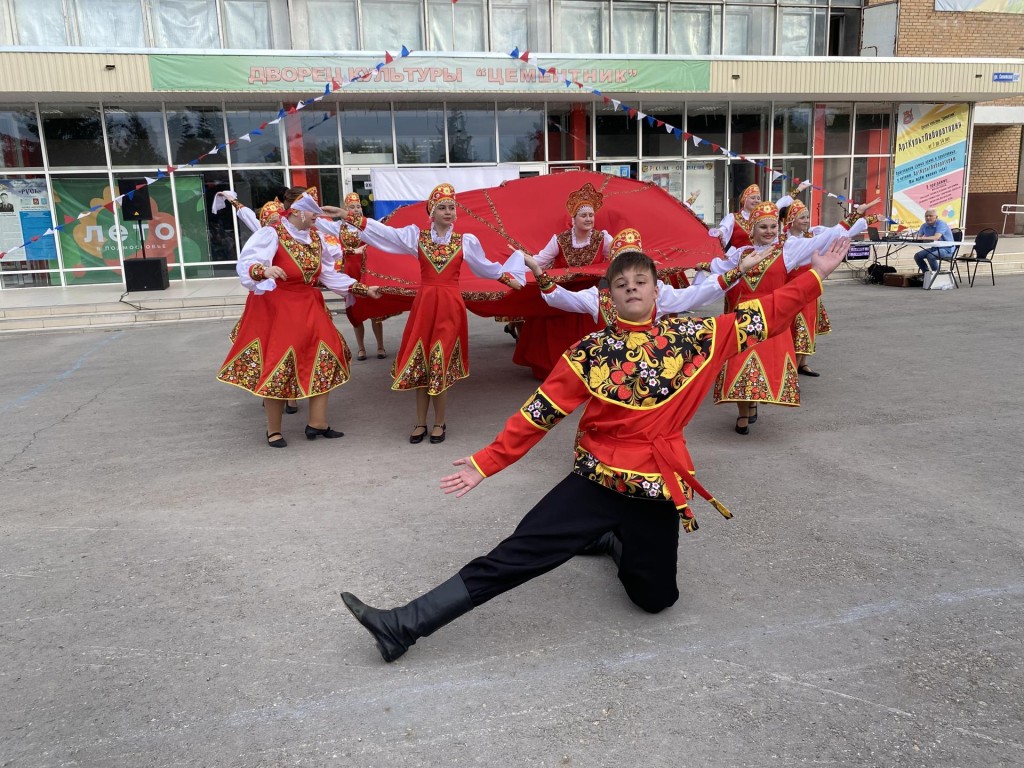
[(261, 186), (638, 27), (247, 24), (791, 129), (74, 135), (748, 31), (616, 132), (366, 134), (796, 170), (207, 236), (583, 24), (750, 128), (194, 131), (836, 179), (40, 22), (656, 141), (803, 32), (96, 28), (332, 25), (521, 133), (328, 182), (519, 23), (265, 148), (832, 120), (419, 134), (870, 180), (667, 175), (387, 22), (466, 21), (157, 237), (872, 134), (184, 23), (695, 30), (471, 133), (708, 121), (19, 138), (135, 136), (568, 132), (319, 136)]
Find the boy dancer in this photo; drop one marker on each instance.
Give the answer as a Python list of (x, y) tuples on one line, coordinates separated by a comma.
[(641, 382)]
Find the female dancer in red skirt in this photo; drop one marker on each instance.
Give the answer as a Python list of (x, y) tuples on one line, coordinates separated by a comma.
[(287, 346), (434, 353)]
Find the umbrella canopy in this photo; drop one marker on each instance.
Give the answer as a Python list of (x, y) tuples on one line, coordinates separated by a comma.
[(524, 214)]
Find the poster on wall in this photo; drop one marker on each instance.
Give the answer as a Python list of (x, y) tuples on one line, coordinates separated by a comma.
[(25, 213), (91, 241), (931, 154), (700, 176), (700, 180)]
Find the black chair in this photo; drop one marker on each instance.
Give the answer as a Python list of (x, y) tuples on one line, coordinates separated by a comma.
[(982, 253)]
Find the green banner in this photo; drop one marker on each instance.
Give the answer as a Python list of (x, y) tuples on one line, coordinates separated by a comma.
[(91, 241), (424, 74)]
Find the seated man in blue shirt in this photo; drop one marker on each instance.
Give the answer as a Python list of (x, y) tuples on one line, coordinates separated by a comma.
[(933, 229)]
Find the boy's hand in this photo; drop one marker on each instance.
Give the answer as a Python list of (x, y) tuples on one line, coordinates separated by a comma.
[(464, 480)]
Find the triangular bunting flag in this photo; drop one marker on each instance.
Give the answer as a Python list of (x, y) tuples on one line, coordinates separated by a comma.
[(678, 132), (35, 238), (68, 219), (659, 123), (130, 195), (670, 129), (149, 180), (49, 231), (334, 84), (272, 122), (257, 131), (405, 51), (327, 89), (542, 70), (597, 92), (568, 83), (632, 112), (83, 214), (650, 121), (606, 100), (515, 52), (525, 57), (246, 137), (616, 103), (388, 58)]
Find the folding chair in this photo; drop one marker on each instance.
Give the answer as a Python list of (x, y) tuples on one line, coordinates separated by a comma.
[(982, 253), (946, 265)]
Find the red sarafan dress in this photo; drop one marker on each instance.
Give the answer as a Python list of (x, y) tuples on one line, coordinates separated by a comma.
[(434, 352), (767, 373), (542, 340), (286, 345)]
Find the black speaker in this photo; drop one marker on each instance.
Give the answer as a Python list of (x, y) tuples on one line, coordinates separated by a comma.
[(138, 208), (145, 274)]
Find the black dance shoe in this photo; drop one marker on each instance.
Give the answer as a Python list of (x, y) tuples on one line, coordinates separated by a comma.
[(279, 443), (416, 436), (744, 430), (312, 434), (439, 438)]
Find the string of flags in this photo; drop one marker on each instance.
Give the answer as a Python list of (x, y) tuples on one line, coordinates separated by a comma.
[(329, 88), (524, 59)]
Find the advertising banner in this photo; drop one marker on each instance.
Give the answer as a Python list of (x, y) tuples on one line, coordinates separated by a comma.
[(25, 213), (92, 240), (981, 6), (931, 154), (421, 74)]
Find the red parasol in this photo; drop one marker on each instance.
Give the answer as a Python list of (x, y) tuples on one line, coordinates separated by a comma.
[(525, 213)]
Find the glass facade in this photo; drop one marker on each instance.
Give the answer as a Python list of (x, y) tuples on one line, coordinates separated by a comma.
[(60, 161), (621, 27)]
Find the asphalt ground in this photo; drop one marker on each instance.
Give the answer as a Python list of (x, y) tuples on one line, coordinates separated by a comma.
[(169, 584)]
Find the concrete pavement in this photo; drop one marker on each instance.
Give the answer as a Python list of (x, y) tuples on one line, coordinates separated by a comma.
[(170, 585)]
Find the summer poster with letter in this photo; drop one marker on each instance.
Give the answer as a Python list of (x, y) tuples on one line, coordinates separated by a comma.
[(931, 153), (92, 240)]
